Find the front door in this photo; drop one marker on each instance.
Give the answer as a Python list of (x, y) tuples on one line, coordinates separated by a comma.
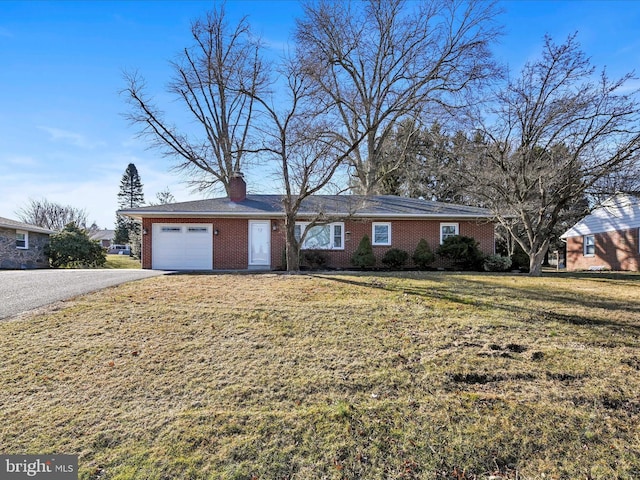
[(260, 243)]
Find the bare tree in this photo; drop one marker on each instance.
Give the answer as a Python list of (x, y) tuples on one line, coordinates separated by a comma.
[(164, 197), (51, 215), (212, 79), (557, 133), (375, 63), (298, 138)]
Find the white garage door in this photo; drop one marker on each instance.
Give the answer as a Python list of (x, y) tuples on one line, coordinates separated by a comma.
[(182, 247)]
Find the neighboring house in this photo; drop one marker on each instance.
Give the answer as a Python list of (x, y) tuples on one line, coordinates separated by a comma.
[(242, 231), (22, 245), (607, 238), (105, 237)]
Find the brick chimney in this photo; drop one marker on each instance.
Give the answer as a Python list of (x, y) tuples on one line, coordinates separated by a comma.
[(237, 187)]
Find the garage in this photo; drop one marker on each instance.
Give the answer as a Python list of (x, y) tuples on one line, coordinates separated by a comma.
[(182, 246)]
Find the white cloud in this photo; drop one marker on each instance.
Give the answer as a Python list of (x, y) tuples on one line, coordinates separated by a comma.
[(95, 189), (73, 138), (19, 160), (97, 197), (629, 87)]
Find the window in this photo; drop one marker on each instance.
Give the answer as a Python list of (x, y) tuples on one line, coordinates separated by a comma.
[(381, 234), (448, 230), (589, 245), (321, 237), (197, 229), (337, 235), (22, 239), (171, 229)]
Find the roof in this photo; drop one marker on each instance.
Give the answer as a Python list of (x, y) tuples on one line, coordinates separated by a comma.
[(14, 224), (103, 234), (620, 212), (381, 206)]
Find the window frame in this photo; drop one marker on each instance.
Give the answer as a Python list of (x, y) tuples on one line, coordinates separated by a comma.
[(455, 225), (373, 234), (586, 245), (170, 229), (302, 226), (25, 240), (191, 229)]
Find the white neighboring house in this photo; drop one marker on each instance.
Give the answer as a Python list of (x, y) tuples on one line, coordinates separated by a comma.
[(22, 245), (608, 238)]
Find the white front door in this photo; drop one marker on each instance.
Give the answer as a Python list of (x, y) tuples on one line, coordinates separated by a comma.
[(260, 243)]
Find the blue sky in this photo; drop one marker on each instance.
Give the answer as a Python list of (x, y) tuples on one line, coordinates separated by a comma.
[(62, 133)]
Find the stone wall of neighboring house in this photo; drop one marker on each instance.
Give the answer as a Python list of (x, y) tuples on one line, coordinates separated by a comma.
[(12, 257), (231, 245), (618, 250)]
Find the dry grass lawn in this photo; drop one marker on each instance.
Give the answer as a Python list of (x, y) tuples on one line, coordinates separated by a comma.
[(332, 376), (121, 261)]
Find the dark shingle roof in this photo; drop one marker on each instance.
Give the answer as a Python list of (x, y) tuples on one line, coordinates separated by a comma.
[(103, 234), (381, 206), (8, 223)]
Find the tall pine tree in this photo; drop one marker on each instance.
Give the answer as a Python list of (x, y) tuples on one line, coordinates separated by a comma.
[(130, 196)]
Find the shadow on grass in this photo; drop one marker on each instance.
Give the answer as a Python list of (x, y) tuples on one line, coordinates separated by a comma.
[(475, 292)]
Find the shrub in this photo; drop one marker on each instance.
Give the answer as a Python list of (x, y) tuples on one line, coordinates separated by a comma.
[(497, 263), (423, 256), (72, 247), (363, 256), (520, 260), (395, 258), (462, 251), (315, 258)]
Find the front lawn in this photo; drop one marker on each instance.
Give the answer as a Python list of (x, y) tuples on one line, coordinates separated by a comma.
[(336, 376), (121, 261)]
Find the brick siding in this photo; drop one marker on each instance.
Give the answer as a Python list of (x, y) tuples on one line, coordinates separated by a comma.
[(613, 250), (16, 258), (231, 245)]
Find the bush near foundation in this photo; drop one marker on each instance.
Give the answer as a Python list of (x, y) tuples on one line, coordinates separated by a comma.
[(423, 256), (395, 259), (363, 256), (462, 251)]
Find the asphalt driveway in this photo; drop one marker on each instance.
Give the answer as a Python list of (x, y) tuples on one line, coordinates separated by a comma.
[(23, 290)]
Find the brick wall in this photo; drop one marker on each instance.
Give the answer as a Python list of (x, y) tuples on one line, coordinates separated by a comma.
[(613, 250), (231, 245), (405, 235), (16, 258)]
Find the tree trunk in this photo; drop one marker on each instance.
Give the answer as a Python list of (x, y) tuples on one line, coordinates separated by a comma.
[(536, 257), (292, 252)]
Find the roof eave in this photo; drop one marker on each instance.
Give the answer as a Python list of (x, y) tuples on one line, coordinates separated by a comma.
[(28, 229), (400, 216)]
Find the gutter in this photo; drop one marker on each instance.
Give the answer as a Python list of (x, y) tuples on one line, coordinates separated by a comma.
[(302, 215)]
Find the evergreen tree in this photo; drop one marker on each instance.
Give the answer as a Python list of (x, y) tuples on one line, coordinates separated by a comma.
[(423, 255), (130, 196), (121, 235), (364, 256)]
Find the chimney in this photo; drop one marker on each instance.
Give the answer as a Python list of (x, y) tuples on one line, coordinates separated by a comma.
[(237, 187)]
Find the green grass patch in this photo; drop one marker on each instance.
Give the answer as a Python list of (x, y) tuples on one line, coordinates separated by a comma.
[(121, 261), (336, 376)]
